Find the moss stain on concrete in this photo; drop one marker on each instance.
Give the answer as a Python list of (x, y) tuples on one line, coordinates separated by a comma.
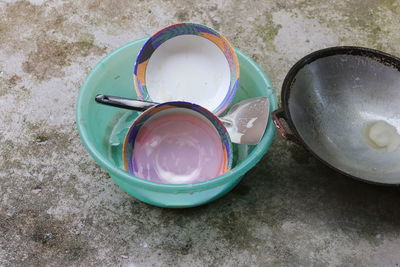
[(267, 30), (51, 56)]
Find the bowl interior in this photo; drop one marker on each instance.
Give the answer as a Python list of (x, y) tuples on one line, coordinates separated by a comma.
[(187, 62), (103, 128), (188, 147), (334, 96)]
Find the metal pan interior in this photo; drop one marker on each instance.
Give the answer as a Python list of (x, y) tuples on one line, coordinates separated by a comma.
[(331, 98)]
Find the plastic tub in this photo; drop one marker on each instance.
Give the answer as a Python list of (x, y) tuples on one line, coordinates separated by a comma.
[(102, 130)]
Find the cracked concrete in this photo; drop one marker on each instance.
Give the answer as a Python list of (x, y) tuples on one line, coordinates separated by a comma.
[(59, 208)]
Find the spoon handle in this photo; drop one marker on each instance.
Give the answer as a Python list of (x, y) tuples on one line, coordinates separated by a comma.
[(225, 121), (138, 105), (127, 103)]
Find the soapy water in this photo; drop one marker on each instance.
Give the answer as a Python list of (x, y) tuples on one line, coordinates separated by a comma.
[(121, 127)]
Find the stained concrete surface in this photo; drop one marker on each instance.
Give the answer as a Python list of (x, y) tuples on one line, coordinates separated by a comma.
[(59, 208)]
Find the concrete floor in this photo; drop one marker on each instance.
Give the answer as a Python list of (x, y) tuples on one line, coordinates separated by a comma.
[(59, 208)]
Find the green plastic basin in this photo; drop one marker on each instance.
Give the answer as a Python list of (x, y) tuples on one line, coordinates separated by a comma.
[(102, 129)]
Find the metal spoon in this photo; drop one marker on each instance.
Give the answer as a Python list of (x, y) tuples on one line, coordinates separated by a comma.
[(245, 122)]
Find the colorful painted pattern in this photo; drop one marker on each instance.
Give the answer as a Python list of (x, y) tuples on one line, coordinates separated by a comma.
[(139, 74), (130, 137)]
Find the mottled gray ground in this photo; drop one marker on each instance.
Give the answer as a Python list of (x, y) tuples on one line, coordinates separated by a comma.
[(59, 208)]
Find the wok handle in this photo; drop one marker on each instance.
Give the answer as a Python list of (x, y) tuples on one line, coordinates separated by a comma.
[(277, 115)]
